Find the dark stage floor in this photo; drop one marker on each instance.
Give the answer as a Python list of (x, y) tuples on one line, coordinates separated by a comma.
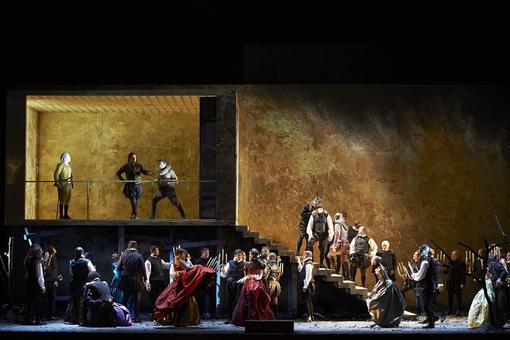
[(453, 327)]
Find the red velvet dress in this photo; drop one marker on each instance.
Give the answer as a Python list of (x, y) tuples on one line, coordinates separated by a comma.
[(254, 303), (176, 304)]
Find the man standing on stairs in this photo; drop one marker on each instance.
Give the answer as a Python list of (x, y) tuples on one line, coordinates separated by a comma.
[(362, 249), (340, 248), (302, 235), (317, 230), (306, 282), (63, 177)]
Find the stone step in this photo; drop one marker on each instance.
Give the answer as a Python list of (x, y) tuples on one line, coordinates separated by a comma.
[(241, 228), (250, 234), (361, 291), (323, 272), (264, 241), (351, 285), (334, 278)]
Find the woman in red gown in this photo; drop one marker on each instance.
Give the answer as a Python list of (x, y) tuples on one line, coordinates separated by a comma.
[(176, 304), (254, 303)]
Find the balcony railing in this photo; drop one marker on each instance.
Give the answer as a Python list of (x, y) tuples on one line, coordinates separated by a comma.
[(104, 199)]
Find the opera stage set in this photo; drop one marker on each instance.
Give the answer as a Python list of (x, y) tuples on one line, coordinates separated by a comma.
[(412, 163)]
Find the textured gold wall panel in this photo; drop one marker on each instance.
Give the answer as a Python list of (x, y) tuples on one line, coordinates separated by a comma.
[(99, 143), (32, 127), (408, 162)]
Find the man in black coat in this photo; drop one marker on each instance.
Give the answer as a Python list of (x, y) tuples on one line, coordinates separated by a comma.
[(456, 270), (133, 278), (206, 298), (498, 276)]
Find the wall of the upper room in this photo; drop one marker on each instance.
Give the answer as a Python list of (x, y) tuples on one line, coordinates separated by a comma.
[(99, 143)]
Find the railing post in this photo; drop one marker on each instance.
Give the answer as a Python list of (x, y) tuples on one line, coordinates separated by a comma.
[(152, 196), (88, 190)]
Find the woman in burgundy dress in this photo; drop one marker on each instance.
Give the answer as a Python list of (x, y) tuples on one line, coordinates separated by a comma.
[(254, 303)]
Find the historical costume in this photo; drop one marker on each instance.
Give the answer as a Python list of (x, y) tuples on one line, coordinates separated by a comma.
[(50, 266), (386, 303), (306, 282), (98, 303), (498, 276), (156, 269), (478, 315), (410, 284), (133, 190), (232, 273), (456, 280), (133, 277), (176, 304), (319, 229), (339, 250), (425, 278), (361, 250), (63, 177), (478, 269), (166, 188), (254, 303), (273, 281), (302, 226), (206, 298), (389, 259), (34, 285), (80, 267), (114, 286)]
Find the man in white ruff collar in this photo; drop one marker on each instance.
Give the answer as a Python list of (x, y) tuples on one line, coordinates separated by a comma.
[(166, 188)]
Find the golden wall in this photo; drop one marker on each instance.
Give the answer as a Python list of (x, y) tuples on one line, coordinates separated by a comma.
[(412, 163), (99, 144), (31, 164)]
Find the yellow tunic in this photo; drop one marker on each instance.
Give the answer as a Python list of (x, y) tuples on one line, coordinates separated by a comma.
[(63, 177)]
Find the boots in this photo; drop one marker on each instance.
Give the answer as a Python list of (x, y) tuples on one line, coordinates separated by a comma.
[(66, 212), (153, 213), (61, 211)]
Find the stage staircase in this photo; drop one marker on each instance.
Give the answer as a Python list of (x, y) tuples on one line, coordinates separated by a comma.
[(287, 255)]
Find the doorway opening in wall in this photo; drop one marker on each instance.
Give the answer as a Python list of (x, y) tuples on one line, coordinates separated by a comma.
[(98, 132)]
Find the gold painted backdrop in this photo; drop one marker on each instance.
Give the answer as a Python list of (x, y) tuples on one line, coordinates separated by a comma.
[(411, 163), (99, 132)]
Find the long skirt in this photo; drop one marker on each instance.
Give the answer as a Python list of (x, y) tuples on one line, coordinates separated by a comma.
[(386, 305), (253, 304)]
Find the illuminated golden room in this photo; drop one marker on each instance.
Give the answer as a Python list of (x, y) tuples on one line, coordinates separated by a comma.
[(99, 132)]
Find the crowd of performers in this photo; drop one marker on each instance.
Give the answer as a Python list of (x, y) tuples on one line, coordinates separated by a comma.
[(252, 283), (133, 188), (252, 287), (346, 249)]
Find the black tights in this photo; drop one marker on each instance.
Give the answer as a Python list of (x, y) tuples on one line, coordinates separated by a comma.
[(134, 206), (136, 299), (363, 271), (302, 236)]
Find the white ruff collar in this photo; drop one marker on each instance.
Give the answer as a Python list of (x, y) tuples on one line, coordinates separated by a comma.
[(164, 171)]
